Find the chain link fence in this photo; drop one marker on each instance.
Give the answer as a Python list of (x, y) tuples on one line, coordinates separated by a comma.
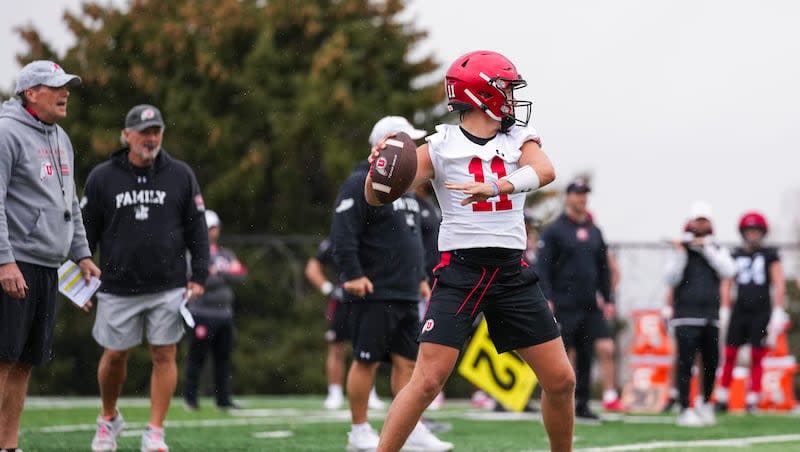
[(642, 286)]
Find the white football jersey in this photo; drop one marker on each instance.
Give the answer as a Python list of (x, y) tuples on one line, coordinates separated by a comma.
[(496, 222)]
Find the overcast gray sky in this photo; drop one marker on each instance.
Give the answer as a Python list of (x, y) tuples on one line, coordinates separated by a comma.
[(664, 102)]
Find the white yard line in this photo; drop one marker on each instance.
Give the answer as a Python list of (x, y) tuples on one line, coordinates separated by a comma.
[(319, 417), (272, 435), (63, 403)]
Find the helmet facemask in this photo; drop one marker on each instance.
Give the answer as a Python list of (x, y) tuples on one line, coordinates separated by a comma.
[(511, 106), (504, 88), (753, 237)]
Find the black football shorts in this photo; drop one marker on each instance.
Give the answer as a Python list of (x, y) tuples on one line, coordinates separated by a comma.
[(499, 284), (748, 326), (381, 328)]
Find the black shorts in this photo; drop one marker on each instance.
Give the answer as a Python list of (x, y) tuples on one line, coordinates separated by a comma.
[(26, 325), (579, 325), (748, 326), (383, 328), (337, 314), (496, 282)]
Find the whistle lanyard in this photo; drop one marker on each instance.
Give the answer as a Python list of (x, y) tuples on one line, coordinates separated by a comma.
[(55, 160)]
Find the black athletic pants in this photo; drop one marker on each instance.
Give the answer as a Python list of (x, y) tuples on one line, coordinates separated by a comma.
[(692, 339), (214, 335)]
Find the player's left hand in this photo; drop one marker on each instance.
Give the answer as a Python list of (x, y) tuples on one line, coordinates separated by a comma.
[(475, 191), (88, 269), (194, 290)]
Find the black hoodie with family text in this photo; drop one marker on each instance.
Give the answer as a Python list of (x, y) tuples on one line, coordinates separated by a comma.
[(144, 221)]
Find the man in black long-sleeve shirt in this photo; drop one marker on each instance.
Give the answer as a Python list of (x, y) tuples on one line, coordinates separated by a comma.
[(572, 264), (379, 254)]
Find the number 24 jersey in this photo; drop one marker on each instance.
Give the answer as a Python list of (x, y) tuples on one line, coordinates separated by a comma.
[(752, 277), (496, 222)]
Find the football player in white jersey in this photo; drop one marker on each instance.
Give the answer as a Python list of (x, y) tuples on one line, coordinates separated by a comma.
[(481, 170)]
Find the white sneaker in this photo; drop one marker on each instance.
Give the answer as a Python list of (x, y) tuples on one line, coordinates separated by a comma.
[(105, 438), (334, 401), (706, 413), (422, 440), (375, 403), (153, 440), (689, 418), (362, 439)]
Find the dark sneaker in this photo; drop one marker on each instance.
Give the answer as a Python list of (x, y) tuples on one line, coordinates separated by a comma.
[(583, 415)]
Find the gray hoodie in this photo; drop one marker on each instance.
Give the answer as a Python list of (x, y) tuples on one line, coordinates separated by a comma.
[(36, 161)]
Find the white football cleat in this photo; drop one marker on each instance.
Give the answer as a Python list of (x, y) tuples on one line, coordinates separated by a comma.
[(153, 440), (334, 401), (422, 440), (706, 413), (375, 403), (689, 418), (362, 438), (105, 438)]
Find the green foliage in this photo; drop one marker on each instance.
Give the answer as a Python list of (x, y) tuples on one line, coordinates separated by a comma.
[(270, 102)]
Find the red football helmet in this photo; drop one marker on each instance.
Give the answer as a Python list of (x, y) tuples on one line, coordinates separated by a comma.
[(753, 220), (480, 80)]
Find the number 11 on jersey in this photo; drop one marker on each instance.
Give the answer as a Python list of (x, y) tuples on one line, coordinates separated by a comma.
[(498, 167)]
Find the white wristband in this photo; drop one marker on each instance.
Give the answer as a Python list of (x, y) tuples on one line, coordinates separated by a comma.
[(523, 179), (326, 288)]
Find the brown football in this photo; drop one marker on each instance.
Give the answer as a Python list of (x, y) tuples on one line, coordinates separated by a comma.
[(394, 168)]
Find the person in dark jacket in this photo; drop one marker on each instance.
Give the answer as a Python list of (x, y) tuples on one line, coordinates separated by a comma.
[(379, 254), (213, 316), (694, 273), (572, 264), (144, 210)]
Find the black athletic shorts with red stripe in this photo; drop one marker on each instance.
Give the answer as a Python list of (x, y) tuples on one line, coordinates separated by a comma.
[(497, 282)]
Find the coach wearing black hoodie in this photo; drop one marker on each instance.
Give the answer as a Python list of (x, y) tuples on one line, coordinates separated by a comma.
[(572, 264), (145, 211)]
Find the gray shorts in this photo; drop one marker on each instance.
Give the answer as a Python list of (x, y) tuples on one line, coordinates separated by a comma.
[(120, 319)]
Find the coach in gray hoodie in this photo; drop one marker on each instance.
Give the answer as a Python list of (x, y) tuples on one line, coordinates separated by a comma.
[(40, 227)]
